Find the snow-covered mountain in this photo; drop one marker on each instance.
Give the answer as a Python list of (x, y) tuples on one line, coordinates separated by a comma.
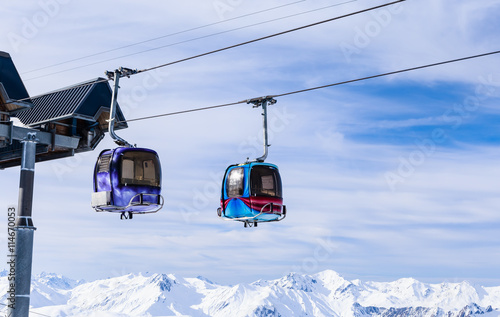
[(322, 294)]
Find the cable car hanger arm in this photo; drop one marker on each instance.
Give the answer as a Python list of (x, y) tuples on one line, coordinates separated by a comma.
[(116, 75), (263, 102)]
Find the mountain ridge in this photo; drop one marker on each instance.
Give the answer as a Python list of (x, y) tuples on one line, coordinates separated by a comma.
[(325, 293)]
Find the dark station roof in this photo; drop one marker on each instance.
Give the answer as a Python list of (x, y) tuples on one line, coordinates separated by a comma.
[(68, 120), (88, 101), (13, 94)]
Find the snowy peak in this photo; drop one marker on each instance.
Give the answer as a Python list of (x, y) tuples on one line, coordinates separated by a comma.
[(328, 279), (51, 289), (136, 294), (163, 282), (297, 282), (330, 276), (56, 281), (334, 282), (206, 280)]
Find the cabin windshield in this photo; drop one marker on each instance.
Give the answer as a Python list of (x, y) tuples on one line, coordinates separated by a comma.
[(234, 182), (265, 181), (140, 168)]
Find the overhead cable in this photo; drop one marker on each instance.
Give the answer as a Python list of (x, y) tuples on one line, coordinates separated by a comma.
[(189, 40), (320, 87), (271, 36), (158, 38), (387, 74), (241, 44)]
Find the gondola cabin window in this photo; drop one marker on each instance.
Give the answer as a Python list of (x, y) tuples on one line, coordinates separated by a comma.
[(140, 168), (265, 181), (234, 182)]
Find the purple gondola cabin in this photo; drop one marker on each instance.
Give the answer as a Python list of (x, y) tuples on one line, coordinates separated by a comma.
[(127, 180)]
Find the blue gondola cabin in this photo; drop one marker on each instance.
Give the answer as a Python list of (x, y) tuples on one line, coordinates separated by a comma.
[(252, 193), (127, 180)]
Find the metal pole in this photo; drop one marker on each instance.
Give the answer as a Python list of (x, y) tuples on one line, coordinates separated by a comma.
[(264, 102), (264, 121), (24, 230)]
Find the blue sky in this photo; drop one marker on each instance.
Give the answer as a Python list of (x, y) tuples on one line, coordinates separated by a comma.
[(383, 179)]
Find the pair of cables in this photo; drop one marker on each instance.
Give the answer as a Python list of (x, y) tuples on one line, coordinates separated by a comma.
[(461, 59), (180, 42)]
